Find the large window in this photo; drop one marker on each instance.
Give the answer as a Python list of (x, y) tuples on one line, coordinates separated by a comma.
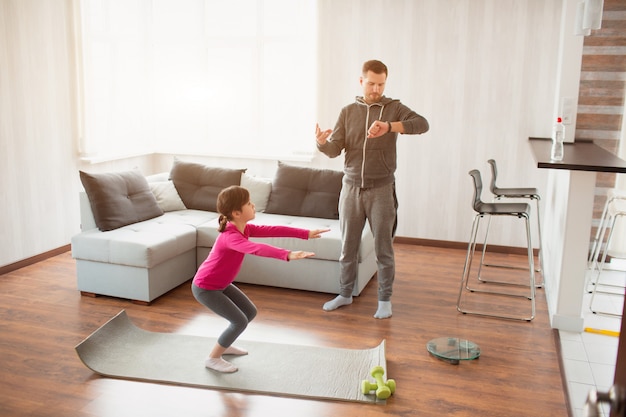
[(234, 78)]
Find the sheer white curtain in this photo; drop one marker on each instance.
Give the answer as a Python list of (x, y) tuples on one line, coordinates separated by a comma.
[(198, 77)]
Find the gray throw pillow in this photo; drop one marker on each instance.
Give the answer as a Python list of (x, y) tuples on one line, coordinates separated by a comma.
[(119, 198), (306, 192), (198, 185)]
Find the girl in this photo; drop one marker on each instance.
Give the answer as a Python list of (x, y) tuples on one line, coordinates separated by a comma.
[(212, 285)]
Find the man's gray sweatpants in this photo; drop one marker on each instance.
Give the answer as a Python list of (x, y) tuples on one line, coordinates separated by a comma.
[(379, 207)]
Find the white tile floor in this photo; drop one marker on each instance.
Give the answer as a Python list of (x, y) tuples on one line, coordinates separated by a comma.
[(589, 358)]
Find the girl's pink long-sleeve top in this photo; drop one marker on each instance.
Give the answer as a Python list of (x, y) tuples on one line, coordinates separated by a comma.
[(224, 261)]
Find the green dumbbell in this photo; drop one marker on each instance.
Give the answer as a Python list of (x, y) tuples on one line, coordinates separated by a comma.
[(383, 389)]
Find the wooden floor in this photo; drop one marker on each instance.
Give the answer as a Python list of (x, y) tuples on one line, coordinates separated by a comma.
[(44, 317)]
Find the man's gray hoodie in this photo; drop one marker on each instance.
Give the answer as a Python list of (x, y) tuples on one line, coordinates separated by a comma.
[(370, 162)]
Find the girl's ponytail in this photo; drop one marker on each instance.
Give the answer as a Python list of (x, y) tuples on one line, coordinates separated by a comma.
[(223, 221)]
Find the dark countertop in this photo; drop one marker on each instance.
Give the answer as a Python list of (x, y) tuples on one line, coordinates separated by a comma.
[(577, 156)]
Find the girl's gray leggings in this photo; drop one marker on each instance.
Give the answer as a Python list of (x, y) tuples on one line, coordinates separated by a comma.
[(230, 303)]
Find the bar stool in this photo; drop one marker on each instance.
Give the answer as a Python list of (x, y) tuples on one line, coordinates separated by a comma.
[(519, 193), (519, 210), (614, 210), (596, 245)]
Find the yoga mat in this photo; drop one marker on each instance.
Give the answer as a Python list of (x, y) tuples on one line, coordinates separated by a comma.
[(119, 349)]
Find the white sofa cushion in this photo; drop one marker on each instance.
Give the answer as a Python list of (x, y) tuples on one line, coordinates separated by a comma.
[(259, 188), (144, 244), (166, 196)]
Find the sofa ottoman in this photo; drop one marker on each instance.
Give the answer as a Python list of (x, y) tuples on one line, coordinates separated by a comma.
[(140, 261)]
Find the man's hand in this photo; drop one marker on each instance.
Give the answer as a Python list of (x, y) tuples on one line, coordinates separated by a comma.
[(321, 136), (378, 128), (294, 255), (317, 233)]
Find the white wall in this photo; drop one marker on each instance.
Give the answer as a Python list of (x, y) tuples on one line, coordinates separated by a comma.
[(482, 72), (38, 209)]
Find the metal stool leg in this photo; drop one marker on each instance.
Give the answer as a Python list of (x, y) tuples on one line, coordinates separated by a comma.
[(540, 251), (471, 249), (540, 240), (612, 219), (593, 256), (465, 284), (596, 245), (481, 280)]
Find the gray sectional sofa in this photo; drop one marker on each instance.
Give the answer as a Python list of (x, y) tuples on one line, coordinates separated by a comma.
[(143, 236)]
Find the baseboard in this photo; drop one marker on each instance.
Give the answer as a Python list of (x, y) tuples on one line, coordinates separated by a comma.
[(461, 245), (34, 259)]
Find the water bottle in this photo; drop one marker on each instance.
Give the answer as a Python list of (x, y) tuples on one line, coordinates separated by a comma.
[(558, 134)]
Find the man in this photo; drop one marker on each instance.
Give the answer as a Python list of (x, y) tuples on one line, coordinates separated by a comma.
[(366, 131)]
